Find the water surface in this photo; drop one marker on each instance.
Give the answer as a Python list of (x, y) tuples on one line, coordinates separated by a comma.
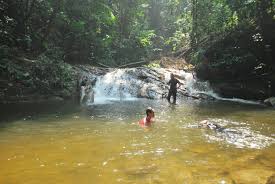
[(67, 143)]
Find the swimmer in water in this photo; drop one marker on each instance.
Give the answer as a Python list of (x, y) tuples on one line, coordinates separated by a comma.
[(149, 119)]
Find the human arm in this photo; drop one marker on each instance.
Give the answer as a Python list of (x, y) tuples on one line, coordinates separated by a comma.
[(179, 83)]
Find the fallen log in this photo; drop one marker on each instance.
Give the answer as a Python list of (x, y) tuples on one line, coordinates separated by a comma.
[(192, 96), (24, 60), (164, 95), (132, 64), (103, 65)]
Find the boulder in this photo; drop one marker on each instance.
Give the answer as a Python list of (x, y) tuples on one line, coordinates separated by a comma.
[(244, 90)]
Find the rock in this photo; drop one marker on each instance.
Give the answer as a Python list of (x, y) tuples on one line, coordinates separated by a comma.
[(270, 101), (140, 82), (243, 90), (143, 92), (271, 179), (202, 71)]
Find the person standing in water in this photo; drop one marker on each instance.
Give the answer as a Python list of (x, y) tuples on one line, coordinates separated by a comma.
[(87, 91), (149, 119), (173, 88), (83, 86)]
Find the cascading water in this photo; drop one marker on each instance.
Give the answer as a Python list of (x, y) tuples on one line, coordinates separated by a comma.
[(129, 84), (113, 86)]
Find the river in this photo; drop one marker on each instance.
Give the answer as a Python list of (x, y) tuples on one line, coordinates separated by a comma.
[(67, 143)]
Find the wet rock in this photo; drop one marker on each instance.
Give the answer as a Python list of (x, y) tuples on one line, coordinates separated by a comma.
[(203, 71), (243, 90), (139, 82), (270, 101), (241, 137), (271, 179)]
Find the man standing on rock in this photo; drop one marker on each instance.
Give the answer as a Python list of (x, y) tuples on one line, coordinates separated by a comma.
[(173, 88)]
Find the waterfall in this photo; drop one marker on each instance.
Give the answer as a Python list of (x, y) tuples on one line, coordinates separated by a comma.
[(130, 84), (114, 86)]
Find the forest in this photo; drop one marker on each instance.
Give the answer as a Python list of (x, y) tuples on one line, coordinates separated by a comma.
[(228, 41), (137, 91)]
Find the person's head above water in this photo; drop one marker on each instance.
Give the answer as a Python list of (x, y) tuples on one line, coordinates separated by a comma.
[(149, 119), (172, 76), (150, 112)]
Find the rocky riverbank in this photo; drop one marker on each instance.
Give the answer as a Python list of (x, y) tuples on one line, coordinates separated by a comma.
[(140, 82)]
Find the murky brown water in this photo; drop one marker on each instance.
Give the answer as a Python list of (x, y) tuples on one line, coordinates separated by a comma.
[(103, 144)]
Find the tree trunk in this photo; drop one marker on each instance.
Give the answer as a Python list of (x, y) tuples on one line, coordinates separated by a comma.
[(267, 26), (154, 15), (194, 24)]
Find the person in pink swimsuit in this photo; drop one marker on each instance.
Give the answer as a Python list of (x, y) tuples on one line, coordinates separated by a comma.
[(149, 119)]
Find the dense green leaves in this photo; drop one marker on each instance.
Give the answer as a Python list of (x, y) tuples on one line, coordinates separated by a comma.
[(92, 31), (115, 32)]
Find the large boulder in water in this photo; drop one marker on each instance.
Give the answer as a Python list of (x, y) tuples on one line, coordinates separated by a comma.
[(252, 90), (270, 101)]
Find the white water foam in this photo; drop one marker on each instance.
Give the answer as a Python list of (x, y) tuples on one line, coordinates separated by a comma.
[(114, 86)]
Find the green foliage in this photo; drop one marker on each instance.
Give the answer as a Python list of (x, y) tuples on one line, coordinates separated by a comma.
[(47, 74), (230, 59), (178, 40), (50, 75), (145, 38), (198, 56), (10, 69), (13, 71), (123, 31), (93, 31), (233, 34), (153, 65)]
